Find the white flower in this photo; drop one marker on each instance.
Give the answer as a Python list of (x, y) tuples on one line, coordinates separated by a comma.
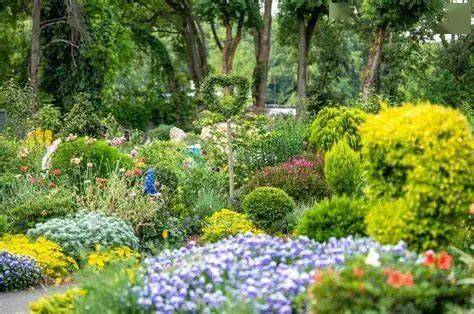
[(373, 258), (76, 160), (122, 169), (134, 153), (71, 137), (90, 165)]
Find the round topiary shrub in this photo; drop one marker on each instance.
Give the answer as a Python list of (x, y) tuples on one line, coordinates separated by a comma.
[(336, 217), (420, 165), (336, 123), (84, 231), (17, 272), (225, 223), (268, 208), (343, 169)]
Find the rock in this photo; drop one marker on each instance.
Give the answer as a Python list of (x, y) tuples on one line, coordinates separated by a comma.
[(177, 135), (206, 133)]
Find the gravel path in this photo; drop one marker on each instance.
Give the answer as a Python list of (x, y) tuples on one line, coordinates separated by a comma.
[(17, 302)]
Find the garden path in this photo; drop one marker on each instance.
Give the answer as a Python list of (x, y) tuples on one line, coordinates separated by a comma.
[(17, 302)]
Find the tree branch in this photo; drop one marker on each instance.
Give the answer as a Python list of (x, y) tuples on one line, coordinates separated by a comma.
[(54, 22), (216, 37), (60, 41)]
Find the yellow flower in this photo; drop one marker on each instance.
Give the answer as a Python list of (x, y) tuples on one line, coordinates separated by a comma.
[(165, 234)]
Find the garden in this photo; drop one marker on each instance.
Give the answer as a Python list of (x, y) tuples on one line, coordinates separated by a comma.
[(139, 179)]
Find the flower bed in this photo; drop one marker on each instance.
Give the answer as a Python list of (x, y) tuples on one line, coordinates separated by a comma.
[(266, 271), (17, 272)]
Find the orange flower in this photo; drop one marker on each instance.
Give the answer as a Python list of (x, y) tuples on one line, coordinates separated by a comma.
[(100, 180), (56, 172), (471, 209), (24, 169), (138, 171), (128, 173), (408, 280), (430, 258), (358, 272), (395, 279), (318, 276), (361, 288), (387, 271), (445, 261), (52, 185)]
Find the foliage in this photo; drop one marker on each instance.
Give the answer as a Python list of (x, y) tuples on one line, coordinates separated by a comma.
[(87, 155), (161, 133), (336, 123), (420, 165), (387, 284), (163, 154), (54, 203), (110, 288), (132, 115), (48, 118), (59, 303), (300, 178), (230, 105), (225, 223), (166, 178), (336, 217), (276, 271), (268, 208), (47, 254), (9, 161), (17, 272), (343, 169), (98, 260), (85, 230), (18, 102), (82, 119)]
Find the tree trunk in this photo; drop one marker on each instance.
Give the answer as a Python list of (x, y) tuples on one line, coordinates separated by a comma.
[(262, 56), (230, 159), (302, 71), (373, 62), (35, 51)]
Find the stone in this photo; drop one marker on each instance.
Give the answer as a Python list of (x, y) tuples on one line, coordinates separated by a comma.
[(177, 135)]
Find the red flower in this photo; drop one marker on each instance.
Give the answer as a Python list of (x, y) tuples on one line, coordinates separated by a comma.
[(56, 172), (408, 280), (387, 271), (52, 185), (444, 261), (128, 173), (430, 258), (358, 272), (138, 171), (395, 279), (24, 169)]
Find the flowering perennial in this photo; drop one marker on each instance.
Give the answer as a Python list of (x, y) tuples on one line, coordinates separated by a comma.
[(266, 271), (17, 272)]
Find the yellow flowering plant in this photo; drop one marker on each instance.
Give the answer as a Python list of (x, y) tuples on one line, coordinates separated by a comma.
[(47, 254), (100, 259), (61, 303)]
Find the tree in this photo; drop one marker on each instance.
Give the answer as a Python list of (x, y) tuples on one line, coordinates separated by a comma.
[(262, 36), (233, 15), (301, 17), (383, 16)]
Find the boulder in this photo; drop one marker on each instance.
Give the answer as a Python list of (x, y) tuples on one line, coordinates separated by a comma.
[(177, 135)]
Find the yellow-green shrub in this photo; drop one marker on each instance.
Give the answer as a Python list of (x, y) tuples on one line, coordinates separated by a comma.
[(224, 223), (422, 156), (47, 254), (100, 259), (61, 303)]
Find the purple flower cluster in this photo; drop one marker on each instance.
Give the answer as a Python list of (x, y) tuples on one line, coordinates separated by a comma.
[(17, 272), (266, 271)]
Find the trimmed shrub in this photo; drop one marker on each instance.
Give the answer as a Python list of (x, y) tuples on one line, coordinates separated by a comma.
[(337, 217), (224, 223), (302, 179), (17, 272), (420, 165), (47, 254), (82, 119), (84, 231), (268, 208), (73, 157), (59, 303), (343, 169), (55, 203), (336, 123)]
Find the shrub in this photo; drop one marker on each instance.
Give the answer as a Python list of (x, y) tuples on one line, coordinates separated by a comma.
[(54, 203), (166, 178), (337, 217), (336, 123), (60, 303), (18, 102), (86, 155), (9, 162), (84, 231), (268, 208), (420, 165), (99, 260), (163, 154), (161, 133), (82, 119), (48, 118), (47, 254), (392, 285), (343, 169), (224, 223), (302, 179), (17, 272)]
